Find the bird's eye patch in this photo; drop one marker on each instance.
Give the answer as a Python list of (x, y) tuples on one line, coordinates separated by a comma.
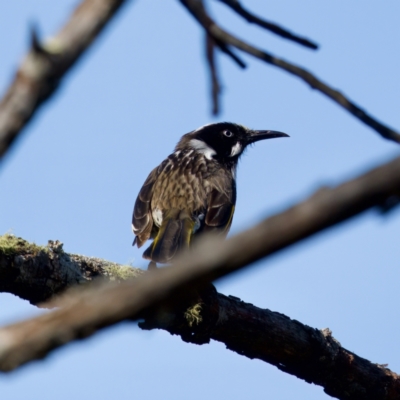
[(228, 133)]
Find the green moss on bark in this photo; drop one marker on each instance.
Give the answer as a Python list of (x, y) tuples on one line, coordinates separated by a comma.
[(121, 272), (12, 245)]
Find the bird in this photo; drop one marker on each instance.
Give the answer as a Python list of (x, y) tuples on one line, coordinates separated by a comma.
[(193, 191)]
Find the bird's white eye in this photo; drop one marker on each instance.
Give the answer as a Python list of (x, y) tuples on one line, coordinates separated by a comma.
[(228, 133)]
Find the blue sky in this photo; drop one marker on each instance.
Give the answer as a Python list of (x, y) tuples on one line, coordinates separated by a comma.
[(76, 171)]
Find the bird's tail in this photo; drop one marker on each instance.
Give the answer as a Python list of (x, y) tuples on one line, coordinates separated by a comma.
[(174, 234)]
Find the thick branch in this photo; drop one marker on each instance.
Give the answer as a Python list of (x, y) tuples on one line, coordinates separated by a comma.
[(37, 273), (278, 30), (93, 309), (197, 9), (309, 354), (45, 65)]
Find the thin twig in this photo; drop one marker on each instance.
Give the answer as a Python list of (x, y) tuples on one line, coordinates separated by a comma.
[(46, 64), (197, 9), (215, 86), (212, 258), (228, 51), (278, 30)]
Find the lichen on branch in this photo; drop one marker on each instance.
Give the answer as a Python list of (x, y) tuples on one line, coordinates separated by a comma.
[(36, 273)]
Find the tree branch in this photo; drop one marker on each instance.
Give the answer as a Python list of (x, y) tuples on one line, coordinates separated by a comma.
[(278, 30), (310, 354), (215, 85), (307, 353), (228, 51), (44, 66), (37, 273), (86, 312), (196, 8)]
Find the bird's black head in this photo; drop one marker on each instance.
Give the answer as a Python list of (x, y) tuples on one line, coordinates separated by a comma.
[(224, 141)]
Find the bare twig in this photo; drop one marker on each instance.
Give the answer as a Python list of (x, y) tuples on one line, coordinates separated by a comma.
[(215, 86), (210, 259), (46, 64), (197, 9), (228, 51), (278, 30), (295, 348)]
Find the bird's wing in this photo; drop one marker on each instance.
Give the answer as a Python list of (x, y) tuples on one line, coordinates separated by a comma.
[(220, 209), (142, 220)]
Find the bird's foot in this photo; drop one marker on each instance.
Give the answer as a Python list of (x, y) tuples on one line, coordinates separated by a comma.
[(152, 265)]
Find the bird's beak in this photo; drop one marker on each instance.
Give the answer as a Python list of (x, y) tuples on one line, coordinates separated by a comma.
[(255, 136)]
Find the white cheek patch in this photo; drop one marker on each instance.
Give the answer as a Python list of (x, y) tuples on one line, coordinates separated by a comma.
[(203, 148), (236, 149)]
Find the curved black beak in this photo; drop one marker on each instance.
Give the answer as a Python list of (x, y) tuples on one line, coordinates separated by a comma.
[(255, 136)]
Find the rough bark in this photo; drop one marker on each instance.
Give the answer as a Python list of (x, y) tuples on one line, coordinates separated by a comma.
[(37, 273), (310, 354)]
